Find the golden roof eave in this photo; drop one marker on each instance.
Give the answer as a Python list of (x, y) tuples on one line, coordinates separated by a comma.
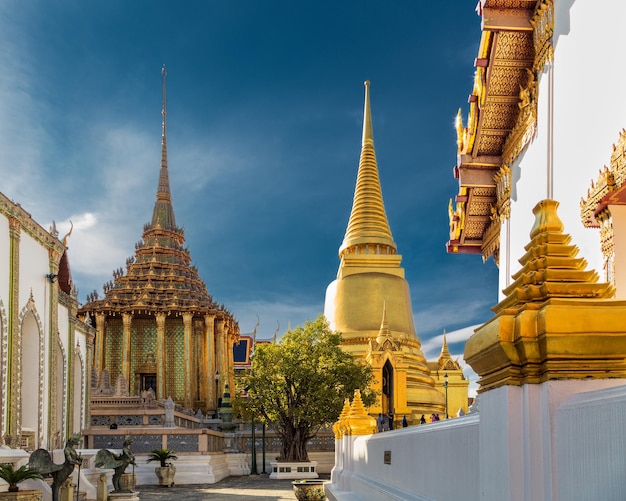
[(499, 120)]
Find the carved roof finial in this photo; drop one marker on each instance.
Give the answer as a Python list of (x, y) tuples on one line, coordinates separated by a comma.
[(163, 213)]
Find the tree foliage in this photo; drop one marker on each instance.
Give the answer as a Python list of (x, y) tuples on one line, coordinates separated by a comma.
[(300, 383)]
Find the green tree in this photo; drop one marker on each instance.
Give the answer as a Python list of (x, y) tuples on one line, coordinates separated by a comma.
[(300, 383)]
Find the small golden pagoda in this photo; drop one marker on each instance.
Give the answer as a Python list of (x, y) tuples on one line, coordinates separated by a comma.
[(450, 381), (157, 326), (370, 303)]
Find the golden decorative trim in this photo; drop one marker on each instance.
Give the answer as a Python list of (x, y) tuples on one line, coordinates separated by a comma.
[(594, 211), (543, 29), (78, 356), (525, 126), (4, 354), (20, 373), (20, 219)]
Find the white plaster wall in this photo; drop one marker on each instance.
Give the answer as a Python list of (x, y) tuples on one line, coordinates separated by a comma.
[(589, 109), (64, 324), (33, 270), (518, 439), (590, 446), (432, 461)]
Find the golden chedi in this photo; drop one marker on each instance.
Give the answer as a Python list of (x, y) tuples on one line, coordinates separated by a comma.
[(370, 303)]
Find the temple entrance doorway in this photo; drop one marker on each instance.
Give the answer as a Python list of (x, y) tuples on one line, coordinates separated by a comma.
[(148, 381), (387, 398)]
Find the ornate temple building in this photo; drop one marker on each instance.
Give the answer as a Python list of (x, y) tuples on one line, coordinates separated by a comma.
[(370, 302), (45, 350), (157, 327)]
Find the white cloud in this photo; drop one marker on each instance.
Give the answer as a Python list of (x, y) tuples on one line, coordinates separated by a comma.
[(442, 315), (432, 349)]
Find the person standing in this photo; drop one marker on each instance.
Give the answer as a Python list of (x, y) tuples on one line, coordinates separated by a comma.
[(380, 422), (390, 420), (405, 423)]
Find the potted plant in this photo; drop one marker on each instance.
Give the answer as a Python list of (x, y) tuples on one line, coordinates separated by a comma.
[(11, 476), (166, 471), (309, 489)]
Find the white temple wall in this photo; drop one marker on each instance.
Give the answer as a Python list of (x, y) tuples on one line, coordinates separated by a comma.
[(34, 266), (589, 110), (559, 440), (582, 90), (31, 399), (590, 446), (432, 461)]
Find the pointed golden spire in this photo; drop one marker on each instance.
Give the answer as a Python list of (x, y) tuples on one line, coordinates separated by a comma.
[(444, 357), (444, 347), (368, 229), (384, 332), (359, 422), (163, 213)]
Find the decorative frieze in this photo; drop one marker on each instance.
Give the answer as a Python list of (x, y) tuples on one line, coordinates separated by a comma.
[(543, 29)]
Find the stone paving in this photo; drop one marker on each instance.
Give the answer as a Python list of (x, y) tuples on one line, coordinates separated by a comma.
[(247, 488)]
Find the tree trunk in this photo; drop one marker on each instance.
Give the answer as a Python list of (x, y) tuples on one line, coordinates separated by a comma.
[(294, 446)]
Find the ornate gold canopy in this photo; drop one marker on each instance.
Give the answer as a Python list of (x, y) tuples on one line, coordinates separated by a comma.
[(516, 44)]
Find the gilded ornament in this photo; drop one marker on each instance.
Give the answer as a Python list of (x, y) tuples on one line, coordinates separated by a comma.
[(594, 210)]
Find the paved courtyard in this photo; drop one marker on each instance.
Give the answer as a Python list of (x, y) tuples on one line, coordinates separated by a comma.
[(249, 488)]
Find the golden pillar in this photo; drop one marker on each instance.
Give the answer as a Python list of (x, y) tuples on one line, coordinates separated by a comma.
[(90, 337), (187, 324), (160, 354), (54, 392), (230, 358), (219, 355), (13, 348), (99, 345), (127, 319), (210, 362)]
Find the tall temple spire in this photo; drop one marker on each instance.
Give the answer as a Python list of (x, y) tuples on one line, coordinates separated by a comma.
[(370, 275), (163, 213), (368, 229)]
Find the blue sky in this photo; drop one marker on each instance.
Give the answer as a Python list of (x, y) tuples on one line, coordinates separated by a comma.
[(265, 103)]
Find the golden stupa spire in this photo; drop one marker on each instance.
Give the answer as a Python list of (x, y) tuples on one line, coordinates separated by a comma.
[(444, 347), (384, 332), (163, 213), (444, 356), (368, 229)]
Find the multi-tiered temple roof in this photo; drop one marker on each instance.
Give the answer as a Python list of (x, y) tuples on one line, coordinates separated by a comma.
[(160, 277)]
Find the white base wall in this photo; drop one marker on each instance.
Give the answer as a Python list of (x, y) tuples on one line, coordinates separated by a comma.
[(559, 440), (432, 461)]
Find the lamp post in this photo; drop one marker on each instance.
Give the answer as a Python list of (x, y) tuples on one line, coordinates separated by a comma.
[(217, 391), (263, 448), (445, 385), (253, 468)]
